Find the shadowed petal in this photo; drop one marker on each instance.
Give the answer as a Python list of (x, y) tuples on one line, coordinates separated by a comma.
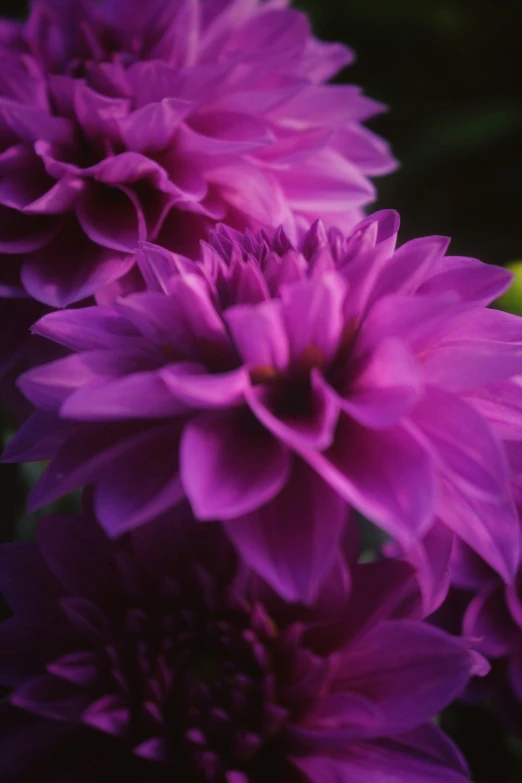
[(230, 465), (387, 387), (292, 540), (386, 474), (422, 756), (410, 671)]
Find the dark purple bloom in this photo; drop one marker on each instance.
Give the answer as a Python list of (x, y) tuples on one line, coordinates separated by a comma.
[(165, 642), (272, 385), (126, 120)]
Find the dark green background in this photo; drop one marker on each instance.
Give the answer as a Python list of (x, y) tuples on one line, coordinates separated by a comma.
[(450, 70)]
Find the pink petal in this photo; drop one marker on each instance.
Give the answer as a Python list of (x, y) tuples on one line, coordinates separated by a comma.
[(259, 335), (488, 622), (151, 128), (305, 423), (138, 395), (386, 389), (385, 474), (489, 527), (230, 466), (192, 386), (313, 316), (463, 443), (473, 280), (112, 217), (49, 276), (291, 541)]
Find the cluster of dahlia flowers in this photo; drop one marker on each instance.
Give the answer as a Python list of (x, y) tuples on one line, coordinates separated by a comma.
[(238, 369)]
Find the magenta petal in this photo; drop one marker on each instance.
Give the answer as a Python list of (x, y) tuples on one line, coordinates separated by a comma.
[(60, 198), (463, 368), (79, 668), (489, 527), (387, 387), (133, 491), (409, 266), (224, 133), (49, 276), (89, 328), (364, 148), (192, 386), (38, 438), (488, 622), (86, 456), (108, 714), (473, 280), (501, 404), (31, 123), (138, 395), (419, 321), (259, 335), (98, 114), (386, 474), (310, 426), (112, 217), (150, 129), (325, 182), (463, 443), (313, 315), (266, 203), (292, 541), (431, 558), (21, 233), (230, 465), (51, 697), (416, 757), (410, 671), (186, 322), (379, 590), (49, 385)]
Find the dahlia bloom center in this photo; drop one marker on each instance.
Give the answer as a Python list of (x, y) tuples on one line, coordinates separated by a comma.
[(195, 685)]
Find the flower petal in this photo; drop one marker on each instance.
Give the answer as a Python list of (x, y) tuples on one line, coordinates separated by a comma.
[(301, 419), (387, 387), (463, 443), (230, 465), (386, 474), (313, 316), (292, 541), (422, 756), (259, 335), (409, 670), (489, 527)]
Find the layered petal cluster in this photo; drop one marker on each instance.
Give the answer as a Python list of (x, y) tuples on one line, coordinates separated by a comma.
[(272, 385), (164, 642), (480, 606), (125, 120)]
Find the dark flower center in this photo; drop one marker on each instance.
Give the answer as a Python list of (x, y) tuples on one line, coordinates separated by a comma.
[(200, 682)]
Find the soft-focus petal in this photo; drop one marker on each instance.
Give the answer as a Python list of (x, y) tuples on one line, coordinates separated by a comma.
[(230, 466), (411, 683), (386, 474), (291, 541)]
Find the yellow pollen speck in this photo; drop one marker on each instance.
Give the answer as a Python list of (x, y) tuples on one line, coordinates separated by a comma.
[(265, 373)]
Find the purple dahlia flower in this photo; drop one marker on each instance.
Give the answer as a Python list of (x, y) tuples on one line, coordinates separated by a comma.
[(271, 385), (164, 641), (125, 120)]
